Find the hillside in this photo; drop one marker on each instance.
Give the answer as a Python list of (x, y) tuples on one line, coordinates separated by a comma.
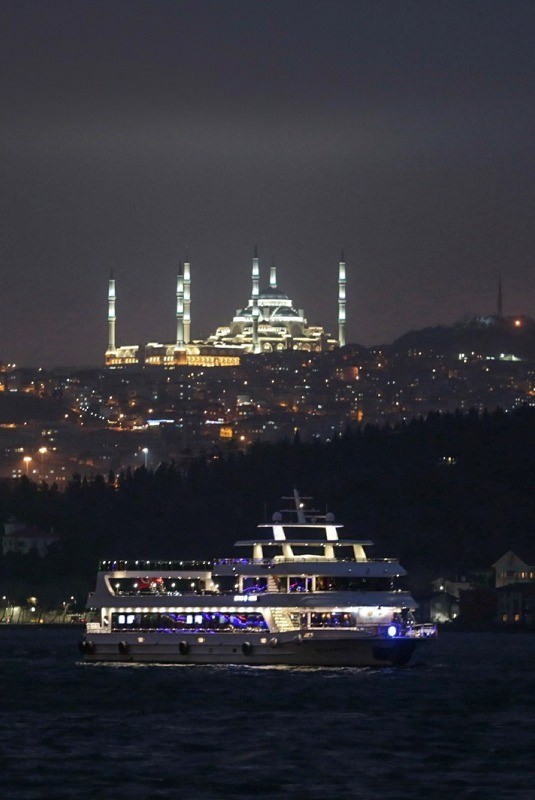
[(447, 494), (486, 336)]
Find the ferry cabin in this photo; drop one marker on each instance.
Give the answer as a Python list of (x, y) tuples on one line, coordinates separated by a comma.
[(297, 584)]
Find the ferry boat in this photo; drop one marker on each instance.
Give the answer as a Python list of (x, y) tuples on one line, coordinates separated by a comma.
[(302, 596)]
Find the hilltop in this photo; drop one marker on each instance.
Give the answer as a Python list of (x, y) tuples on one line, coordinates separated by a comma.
[(487, 336)]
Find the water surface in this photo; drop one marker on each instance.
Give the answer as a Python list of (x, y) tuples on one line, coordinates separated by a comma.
[(459, 722)]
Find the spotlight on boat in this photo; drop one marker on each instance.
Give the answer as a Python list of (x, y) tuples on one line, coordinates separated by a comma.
[(392, 630)]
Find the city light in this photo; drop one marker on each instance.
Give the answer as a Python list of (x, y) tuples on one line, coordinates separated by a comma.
[(42, 452)]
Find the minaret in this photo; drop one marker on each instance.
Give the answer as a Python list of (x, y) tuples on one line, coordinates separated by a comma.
[(111, 312), (187, 301), (499, 305), (256, 310), (273, 276), (180, 307), (342, 300)]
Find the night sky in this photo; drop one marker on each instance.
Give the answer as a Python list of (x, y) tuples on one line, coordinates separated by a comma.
[(400, 131)]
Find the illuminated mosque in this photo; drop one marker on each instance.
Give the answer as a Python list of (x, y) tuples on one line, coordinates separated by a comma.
[(269, 323)]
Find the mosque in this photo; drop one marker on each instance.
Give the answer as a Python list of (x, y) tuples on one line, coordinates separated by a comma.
[(268, 323)]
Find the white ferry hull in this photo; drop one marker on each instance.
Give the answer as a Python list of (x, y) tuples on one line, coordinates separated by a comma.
[(279, 650)]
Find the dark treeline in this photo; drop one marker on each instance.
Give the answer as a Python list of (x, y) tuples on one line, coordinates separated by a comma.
[(449, 493)]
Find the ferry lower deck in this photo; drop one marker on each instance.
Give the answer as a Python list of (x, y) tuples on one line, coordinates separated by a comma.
[(295, 648)]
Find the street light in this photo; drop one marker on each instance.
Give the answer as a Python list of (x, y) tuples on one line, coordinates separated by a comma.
[(42, 452), (27, 460), (145, 452), (6, 604)]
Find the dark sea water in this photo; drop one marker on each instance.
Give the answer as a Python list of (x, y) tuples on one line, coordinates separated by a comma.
[(457, 723)]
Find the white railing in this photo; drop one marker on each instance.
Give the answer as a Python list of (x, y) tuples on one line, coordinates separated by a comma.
[(276, 560), (93, 627), (424, 631)]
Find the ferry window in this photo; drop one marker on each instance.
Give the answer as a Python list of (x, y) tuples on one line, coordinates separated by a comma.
[(134, 621), (254, 584), (123, 619), (354, 584), (158, 585), (150, 585), (225, 584), (332, 620), (297, 584), (206, 621)]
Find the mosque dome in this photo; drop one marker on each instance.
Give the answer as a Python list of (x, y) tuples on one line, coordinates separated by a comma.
[(272, 293), (285, 311), (269, 321)]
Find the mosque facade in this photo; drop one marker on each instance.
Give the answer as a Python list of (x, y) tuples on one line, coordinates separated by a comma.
[(268, 323)]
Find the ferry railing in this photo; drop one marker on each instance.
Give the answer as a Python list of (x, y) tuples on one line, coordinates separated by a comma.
[(425, 630), (94, 627), (416, 631), (257, 590), (267, 562), (141, 567)]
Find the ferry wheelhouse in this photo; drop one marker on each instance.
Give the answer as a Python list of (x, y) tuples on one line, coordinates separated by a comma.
[(301, 596)]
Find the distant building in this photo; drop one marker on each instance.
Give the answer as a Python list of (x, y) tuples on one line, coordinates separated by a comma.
[(515, 584), (268, 323), (511, 569), (477, 607), (21, 539), (442, 605), (469, 602), (451, 587), (516, 604)]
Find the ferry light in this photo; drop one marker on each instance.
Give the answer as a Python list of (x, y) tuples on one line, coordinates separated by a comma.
[(392, 631)]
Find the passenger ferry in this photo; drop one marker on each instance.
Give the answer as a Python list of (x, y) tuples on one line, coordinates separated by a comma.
[(303, 596)]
